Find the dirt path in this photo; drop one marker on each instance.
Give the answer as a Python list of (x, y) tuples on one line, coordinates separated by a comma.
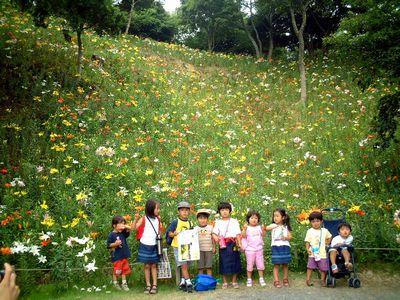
[(375, 285)]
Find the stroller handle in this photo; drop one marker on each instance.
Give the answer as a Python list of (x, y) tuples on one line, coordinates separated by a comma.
[(333, 209)]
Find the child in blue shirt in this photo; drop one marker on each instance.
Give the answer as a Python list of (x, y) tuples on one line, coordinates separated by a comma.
[(120, 252)]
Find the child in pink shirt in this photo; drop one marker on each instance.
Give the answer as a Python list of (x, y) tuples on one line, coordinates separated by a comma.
[(253, 246)]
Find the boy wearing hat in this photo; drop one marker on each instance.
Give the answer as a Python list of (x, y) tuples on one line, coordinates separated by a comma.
[(206, 242), (178, 225)]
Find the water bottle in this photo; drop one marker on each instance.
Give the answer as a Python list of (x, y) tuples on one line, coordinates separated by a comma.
[(118, 240), (315, 251)]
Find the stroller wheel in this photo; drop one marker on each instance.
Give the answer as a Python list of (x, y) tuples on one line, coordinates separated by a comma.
[(350, 281), (356, 283), (333, 282)]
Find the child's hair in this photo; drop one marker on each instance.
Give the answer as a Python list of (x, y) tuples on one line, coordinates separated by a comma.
[(253, 213), (203, 214), (117, 220), (151, 205), (224, 205), (285, 217), (315, 215), (344, 224)]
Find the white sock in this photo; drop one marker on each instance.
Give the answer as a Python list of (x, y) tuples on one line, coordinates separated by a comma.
[(115, 282), (188, 282), (123, 281), (182, 281)]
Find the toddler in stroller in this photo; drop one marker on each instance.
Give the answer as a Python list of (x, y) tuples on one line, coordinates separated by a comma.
[(341, 251)]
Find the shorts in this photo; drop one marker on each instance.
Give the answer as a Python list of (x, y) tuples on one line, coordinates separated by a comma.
[(121, 267), (206, 260), (177, 261), (322, 264), (257, 258), (340, 248)]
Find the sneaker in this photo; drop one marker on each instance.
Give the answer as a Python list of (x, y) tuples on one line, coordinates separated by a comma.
[(249, 282), (335, 269), (182, 286), (125, 287), (262, 281), (189, 288), (116, 286)]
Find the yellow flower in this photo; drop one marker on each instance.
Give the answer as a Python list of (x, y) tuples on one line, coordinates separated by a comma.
[(68, 181), (109, 176), (149, 172), (354, 208), (48, 221), (44, 205), (124, 147), (81, 196), (75, 222), (53, 171)]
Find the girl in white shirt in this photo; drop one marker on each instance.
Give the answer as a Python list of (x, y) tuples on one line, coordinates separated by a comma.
[(227, 234)]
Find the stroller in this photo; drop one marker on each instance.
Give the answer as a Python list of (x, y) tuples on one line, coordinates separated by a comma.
[(332, 225)]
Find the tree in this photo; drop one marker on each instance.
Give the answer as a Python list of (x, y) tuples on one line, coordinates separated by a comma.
[(300, 7), (370, 37), (249, 6), (99, 15), (209, 17), (128, 24)]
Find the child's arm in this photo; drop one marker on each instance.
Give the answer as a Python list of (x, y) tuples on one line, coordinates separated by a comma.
[(288, 237), (137, 222), (271, 226), (244, 230), (308, 248), (115, 244), (239, 240), (263, 230), (215, 238)]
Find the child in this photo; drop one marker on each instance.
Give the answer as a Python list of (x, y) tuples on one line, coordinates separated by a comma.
[(281, 234), (177, 226), (226, 233), (316, 239), (340, 245), (119, 251), (253, 246), (206, 242), (148, 230)]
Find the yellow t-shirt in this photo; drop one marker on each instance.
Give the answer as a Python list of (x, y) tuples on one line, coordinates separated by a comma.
[(181, 226)]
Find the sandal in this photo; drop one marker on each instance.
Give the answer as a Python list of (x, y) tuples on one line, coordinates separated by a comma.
[(277, 284), (309, 283), (235, 285), (286, 282), (153, 289), (323, 283), (224, 286), (147, 289), (349, 266)]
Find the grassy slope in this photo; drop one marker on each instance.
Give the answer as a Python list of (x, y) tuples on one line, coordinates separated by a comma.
[(183, 124)]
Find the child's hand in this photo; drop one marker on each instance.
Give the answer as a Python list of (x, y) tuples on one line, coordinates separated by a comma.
[(118, 242), (137, 216), (214, 250), (245, 227)]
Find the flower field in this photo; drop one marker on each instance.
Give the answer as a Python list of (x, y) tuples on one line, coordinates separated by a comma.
[(156, 120)]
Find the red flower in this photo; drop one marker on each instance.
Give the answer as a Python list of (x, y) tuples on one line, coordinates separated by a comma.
[(5, 251), (45, 243), (4, 171)]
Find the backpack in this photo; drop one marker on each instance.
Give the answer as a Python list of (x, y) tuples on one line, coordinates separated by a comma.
[(140, 230), (205, 282)]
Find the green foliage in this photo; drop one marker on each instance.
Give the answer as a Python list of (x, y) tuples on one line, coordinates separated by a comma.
[(165, 121)]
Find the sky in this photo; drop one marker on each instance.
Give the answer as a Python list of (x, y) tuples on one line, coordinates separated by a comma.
[(171, 5)]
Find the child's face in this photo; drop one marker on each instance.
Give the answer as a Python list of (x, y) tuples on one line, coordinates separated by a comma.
[(344, 231), (225, 213), (316, 223), (278, 219), (184, 213), (253, 221), (119, 227), (157, 210), (203, 220)]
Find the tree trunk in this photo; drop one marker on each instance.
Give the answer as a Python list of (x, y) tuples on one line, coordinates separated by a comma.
[(259, 43), (128, 25), (271, 45), (80, 51), (211, 39), (300, 36), (252, 40)]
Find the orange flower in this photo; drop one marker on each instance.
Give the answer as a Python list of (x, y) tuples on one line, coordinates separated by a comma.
[(139, 208), (45, 243), (5, 251), (127, 217), (94, 235), (302, 216)]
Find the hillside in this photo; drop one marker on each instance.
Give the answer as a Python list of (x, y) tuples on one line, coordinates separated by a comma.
[(156, 120)]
